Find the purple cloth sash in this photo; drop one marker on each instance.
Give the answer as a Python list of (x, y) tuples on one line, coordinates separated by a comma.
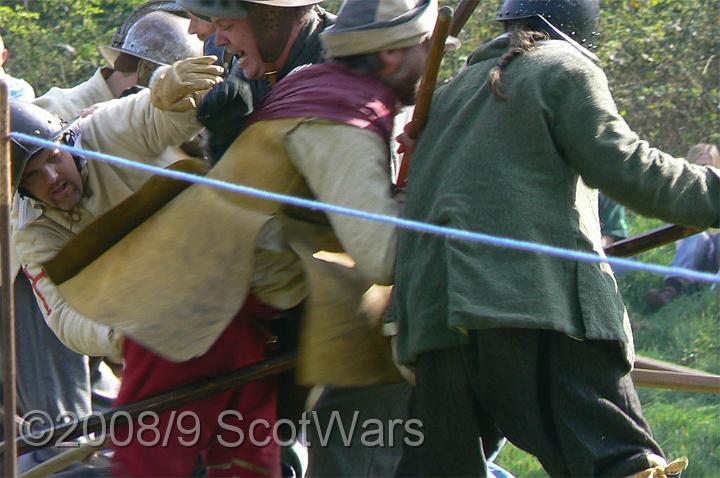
[(333, 92)]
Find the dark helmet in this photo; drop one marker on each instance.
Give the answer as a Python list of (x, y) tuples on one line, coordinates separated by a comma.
[(31, 120), (574, 21), (156, 36), (206, 9)]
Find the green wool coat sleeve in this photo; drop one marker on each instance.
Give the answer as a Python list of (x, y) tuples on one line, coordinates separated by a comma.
[(609, 156)]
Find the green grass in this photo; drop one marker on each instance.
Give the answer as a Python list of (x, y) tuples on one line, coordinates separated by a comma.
[(685, 332)]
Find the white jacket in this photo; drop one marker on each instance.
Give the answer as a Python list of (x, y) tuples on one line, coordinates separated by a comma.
[(130, 128), (67, 103)]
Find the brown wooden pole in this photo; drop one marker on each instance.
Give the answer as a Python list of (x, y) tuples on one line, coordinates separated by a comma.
[(447, 24), (429, 78), (159, 403), (654, 364), (691, 381), (62, 461), (463, 12), (8, 297), (650, 240), (427, 86), (676, 380)]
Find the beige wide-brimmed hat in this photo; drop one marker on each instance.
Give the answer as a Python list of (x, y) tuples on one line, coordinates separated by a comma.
[(370, 26)]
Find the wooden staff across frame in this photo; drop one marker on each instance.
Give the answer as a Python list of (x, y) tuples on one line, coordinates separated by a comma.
[(447, 24), (8, 298), (427, 87), (650, 240)]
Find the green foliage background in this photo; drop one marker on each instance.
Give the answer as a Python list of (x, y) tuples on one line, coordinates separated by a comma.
[(662, 60), (55, 42)]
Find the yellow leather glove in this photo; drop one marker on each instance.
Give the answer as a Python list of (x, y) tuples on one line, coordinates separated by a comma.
[(180, 87)]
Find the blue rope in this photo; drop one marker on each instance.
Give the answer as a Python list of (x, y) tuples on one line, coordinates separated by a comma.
[(369, 216)]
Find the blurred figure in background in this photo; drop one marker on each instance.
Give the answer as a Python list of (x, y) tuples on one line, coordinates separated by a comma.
[(613, 220), (19, 88)]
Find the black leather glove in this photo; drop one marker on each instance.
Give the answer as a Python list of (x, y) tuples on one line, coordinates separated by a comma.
[(223, 112)]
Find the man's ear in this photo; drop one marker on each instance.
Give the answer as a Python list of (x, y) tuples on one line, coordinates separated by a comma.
[(3, 56), (391, 60)]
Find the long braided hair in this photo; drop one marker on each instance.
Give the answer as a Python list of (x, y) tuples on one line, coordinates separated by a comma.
[(523, 38)]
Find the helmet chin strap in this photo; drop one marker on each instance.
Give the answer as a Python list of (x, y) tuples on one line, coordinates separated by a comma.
[(271, 74), (272, 47)]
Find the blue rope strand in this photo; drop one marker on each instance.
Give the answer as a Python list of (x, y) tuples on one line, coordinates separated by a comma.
[(369, 216)]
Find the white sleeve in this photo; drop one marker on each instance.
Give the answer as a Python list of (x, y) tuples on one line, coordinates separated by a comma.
[(35, 244), (76, 331), (132, 126), (348, 166)]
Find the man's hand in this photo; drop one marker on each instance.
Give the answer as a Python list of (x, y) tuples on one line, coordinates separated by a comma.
[(408, 139), (407, 372), (181, 86), (408, 142), (375, 303), (117, 340)]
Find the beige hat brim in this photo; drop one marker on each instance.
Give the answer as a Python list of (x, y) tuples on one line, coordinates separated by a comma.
[(373, 40)]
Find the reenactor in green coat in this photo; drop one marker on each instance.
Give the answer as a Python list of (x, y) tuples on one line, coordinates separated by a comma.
[(538, 347)]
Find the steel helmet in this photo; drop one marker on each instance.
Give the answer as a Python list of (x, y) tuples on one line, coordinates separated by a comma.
[(31, 120), (574, 21), (169, 6), (157, 36)]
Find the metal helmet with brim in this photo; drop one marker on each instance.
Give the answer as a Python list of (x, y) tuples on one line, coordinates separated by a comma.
[(574, 21), (29, 119), (159, 37), (169, 6)]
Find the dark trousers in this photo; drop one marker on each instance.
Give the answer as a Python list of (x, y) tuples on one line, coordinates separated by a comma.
[(338, 457), (570, 403)]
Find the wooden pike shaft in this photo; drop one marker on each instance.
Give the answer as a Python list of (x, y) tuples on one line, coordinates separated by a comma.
[(654, 364), (429, 78), (447, 23), (432, 68), (677, 380), (462, 14), (691, 381), (427, 85), (650, 240), (159, 403), (8, 298), (61, 461)]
